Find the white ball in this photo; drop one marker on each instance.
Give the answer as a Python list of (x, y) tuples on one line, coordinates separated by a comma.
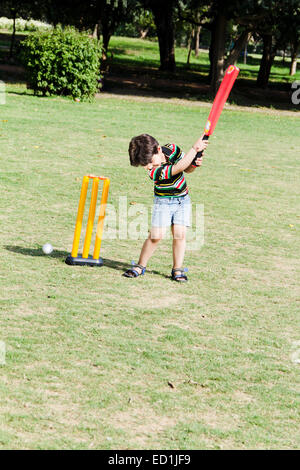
[(47, 248)]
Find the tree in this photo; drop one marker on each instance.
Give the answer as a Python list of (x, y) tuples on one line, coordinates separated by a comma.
[(280, 24), (190, 16), (190, 45), (288, 30), (217, 46), (197, 34), (269, 52), (295, 45), (240, 43), (263, 17), (109, 14), (163, 12), (101, 16), (213, 16), (14, 9), (217, 16), (144, 23)]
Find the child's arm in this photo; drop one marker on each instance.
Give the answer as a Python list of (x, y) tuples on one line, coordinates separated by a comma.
[(192, 167), (186, 161)]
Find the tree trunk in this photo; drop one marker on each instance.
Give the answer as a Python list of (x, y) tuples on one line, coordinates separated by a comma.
[(245, 53), (106, 34), (294, 54), (143, 33), (13, 36), (266, 62), (217, 50), (190, 46), (95, 31), (237, 48), (197, 38), (163, 18), (210, 53), (198, 30), (107, 26)]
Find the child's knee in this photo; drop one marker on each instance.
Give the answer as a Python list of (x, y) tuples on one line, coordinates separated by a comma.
[(156, 234), (179, 232)]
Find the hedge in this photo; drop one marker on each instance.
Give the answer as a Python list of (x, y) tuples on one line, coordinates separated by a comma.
[(62, 62)]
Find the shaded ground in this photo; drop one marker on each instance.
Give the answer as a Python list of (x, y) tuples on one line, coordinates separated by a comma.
[(150, 83), (12, 73), (156, 98)]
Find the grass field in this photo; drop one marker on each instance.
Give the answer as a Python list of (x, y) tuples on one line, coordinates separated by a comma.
[(141, 53), (134, 67), (89, 354)]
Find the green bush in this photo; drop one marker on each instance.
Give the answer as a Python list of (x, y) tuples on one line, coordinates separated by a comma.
[(62, 62)]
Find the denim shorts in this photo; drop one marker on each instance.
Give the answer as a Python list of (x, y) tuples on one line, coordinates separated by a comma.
[(171, 210)]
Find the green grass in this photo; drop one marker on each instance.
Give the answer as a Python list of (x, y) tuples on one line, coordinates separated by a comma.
[(90, 353), (141, 53), (134, 68)]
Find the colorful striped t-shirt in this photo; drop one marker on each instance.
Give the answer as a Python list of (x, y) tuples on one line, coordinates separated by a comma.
[(166, 185)]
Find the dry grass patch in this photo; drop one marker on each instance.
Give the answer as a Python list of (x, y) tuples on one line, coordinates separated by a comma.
[(142, 426)]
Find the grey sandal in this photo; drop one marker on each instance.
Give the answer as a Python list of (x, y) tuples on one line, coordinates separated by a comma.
[(181, 277), (133, 272)]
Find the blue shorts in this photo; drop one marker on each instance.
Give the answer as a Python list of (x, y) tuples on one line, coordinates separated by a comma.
[(171, 210)]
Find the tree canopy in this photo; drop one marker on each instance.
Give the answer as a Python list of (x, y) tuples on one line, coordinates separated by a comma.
[(229, 23)]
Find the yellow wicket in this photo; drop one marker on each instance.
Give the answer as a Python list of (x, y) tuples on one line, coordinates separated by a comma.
[(90, 222), (101, 219), (73, 258), (77, 233)]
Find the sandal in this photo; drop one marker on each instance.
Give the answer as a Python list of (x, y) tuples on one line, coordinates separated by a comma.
[(133, 272), (181, 277)]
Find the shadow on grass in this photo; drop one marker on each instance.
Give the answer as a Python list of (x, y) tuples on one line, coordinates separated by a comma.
[(13, 74), (30, 93), (120, 266), (59, 254), (276, 96), (136, 78), (35, 252), (255, 61)]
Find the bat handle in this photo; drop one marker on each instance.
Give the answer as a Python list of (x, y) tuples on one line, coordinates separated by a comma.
[(199, 154)]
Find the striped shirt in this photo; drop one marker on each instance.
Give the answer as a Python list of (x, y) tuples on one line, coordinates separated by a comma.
[(166, 184)]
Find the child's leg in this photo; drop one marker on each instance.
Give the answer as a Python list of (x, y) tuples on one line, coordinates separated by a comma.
[(179, 242), (150, 245)]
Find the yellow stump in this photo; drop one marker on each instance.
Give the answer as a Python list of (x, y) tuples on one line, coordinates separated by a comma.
[(100, 224), (84, 188), (90, 222), (85, 260)]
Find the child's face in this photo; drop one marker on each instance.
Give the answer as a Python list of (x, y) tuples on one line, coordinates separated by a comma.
[(157, 160)]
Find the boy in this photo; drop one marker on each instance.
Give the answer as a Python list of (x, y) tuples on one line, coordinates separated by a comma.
[(172, 205)]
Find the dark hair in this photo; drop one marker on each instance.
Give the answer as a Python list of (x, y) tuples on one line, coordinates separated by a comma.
[(141, 149)]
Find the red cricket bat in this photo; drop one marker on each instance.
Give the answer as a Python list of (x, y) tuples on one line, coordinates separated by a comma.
[(219, 101)]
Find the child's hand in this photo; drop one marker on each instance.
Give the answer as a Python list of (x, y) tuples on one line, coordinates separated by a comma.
[(200, 144), (198, 161)]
